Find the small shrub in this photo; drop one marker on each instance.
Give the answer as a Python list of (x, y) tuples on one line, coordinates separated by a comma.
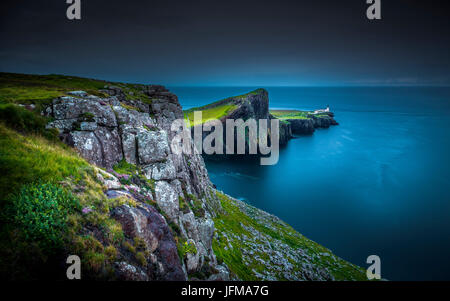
[(184, 247), (87, 117), (129, 247), (140, 243), (141, 258), (123, 167), (41, 212), (25, 121), (183, 207), (114, 232), (111, 252), (95, 261)]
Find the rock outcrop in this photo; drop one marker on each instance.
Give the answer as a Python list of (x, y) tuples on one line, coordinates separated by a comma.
[(109, 130), (255, 105), (308, 125)]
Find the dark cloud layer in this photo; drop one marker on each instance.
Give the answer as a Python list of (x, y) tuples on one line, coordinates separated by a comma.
[(244, 42)]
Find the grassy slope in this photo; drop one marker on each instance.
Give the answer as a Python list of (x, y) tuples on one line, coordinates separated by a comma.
[(28, 88), (30, 158), (209, 114), (290, 114), (30, 154), (215, 110), (236, 221), (295, 114)]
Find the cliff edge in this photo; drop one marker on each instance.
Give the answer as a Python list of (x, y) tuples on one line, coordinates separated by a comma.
[(87, 170)]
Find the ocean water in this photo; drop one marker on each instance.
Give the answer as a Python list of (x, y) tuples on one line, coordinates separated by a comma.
[(376, 184)]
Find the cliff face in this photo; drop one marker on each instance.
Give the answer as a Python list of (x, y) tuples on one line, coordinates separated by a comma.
[(255, 105), (308, 126), (108, 131)]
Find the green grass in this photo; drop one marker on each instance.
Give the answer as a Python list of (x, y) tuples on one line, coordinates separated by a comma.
[(41, 211), (217, 109), (296, 114), (291, 114), (25, 121), (233, 219), (28, 88), (209, 114), (26, 160), (123, 167), (37, 89)]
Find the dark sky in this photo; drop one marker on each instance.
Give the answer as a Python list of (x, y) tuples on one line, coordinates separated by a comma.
[(246, 42)]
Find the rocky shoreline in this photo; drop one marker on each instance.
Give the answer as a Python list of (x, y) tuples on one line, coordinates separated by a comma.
[(255, 105)]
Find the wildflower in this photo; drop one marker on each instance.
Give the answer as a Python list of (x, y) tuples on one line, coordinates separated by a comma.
[(86, 210)]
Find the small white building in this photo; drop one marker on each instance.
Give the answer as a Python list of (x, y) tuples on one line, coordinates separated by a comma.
[(322, 110)]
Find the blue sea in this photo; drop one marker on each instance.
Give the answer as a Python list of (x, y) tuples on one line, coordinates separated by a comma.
[(376, 184)]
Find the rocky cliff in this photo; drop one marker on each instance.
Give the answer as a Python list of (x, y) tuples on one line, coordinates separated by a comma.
[(255, 105), (140, 211), (308, 125), (107, 131)]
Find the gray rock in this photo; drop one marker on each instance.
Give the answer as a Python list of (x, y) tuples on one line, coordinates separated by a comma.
[(78, 93), (88, 146), (147, 224), (192, 260), (67, 107), (62, 125), (206, 231), (167, 199), (128, 272), (161, 171), (110, 145), (190, 225), (88, 126), (152, 147), (129, 143)]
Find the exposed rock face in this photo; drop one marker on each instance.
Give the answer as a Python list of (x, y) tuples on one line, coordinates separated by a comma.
[(152, 146), (302, 126), (255, 105), (145, 222), (106, 130), (89, 125), (308, 126), (285, 131)]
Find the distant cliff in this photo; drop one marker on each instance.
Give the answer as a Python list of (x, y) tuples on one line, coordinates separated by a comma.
[(255, 105), (304, 122)]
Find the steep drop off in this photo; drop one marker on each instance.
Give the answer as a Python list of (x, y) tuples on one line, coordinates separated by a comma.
[(133, 210), (255, 105)]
